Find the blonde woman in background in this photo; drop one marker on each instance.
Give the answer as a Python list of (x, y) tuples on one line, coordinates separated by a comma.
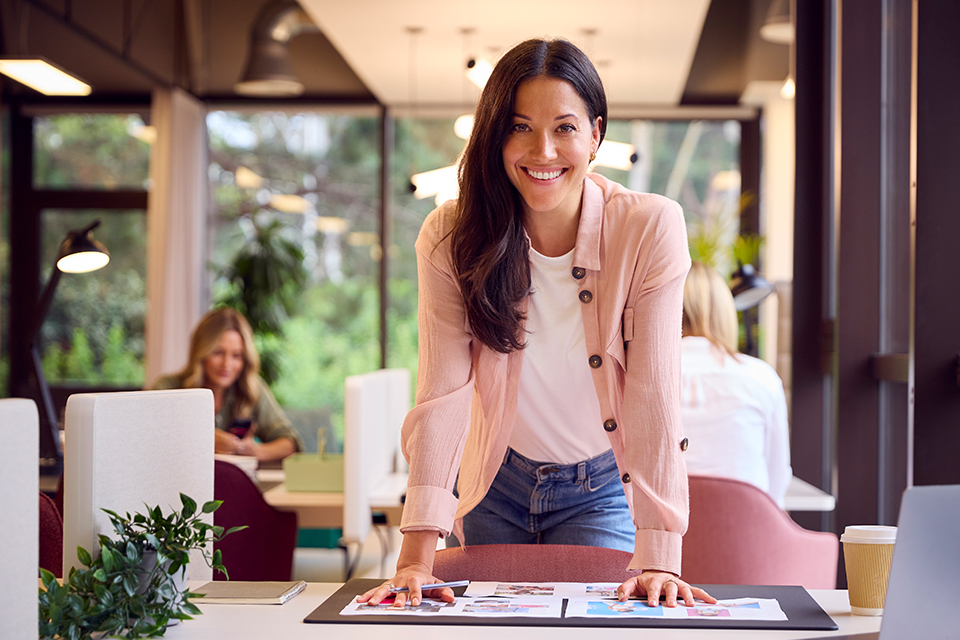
[(249, 421), (733, 408)]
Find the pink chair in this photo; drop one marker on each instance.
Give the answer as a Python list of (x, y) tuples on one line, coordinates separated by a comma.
[(532, 563), (738, 535), (265, 550), (51, 537)]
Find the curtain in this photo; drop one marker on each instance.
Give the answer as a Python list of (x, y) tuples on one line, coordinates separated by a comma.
[(176, 230)]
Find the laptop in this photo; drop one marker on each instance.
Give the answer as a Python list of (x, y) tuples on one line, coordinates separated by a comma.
[(923, 592)]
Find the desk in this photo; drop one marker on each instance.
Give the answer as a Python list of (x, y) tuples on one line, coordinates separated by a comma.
[(257, 622), (803, 496), (325, 510)]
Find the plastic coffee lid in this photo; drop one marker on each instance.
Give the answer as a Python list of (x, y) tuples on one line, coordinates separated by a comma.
[(869, 534)]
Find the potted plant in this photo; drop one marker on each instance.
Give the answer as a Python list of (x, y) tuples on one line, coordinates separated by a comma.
[(136, 586)]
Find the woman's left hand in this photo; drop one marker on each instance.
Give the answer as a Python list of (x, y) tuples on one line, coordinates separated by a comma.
[(652, 583)]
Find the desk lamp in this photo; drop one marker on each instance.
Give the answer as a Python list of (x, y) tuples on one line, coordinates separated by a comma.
[(749, 288), (79, 253)]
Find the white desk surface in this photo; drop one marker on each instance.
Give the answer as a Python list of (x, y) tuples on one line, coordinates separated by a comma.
[(256, 622), (803, 496)]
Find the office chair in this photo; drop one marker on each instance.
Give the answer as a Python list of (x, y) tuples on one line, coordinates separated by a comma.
[(738, 535), (51, 537), (265, 550), (532, 563)]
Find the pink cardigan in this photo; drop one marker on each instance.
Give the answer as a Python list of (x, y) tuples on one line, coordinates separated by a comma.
[(632, 255)]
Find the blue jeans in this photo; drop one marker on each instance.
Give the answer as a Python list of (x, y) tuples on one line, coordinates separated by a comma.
[(534, 502)]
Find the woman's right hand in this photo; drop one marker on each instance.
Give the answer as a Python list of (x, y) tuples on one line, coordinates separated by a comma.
[(414, 569), (412, 578)]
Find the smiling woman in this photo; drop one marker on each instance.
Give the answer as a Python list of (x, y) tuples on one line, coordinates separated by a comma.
[(550, 302), (223, 359)]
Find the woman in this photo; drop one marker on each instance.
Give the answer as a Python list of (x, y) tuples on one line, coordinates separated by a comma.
[(549, 342), (733, 407), (249, 422)]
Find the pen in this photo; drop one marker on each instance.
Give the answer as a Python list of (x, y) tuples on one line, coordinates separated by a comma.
[(439, 585)]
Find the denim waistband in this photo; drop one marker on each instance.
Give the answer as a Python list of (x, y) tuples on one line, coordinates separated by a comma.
[(548, 470)]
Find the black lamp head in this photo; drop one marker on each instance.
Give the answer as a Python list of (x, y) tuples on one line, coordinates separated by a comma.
[(748, 287), (80, 253)]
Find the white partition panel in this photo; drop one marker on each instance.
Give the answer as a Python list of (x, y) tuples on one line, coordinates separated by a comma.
[(125, 450), (19, 528), (375, 405)]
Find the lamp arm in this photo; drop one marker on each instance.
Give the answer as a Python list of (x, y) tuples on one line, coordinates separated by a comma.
[(44, 305), (53, 424)]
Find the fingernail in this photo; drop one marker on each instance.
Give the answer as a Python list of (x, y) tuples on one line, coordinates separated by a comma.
[(414, 602)]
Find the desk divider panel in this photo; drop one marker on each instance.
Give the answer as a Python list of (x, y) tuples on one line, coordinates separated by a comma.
[(129, 449), (19, 520), (375, 405)]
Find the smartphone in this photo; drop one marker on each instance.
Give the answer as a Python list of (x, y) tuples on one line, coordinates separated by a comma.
[(240, 426)]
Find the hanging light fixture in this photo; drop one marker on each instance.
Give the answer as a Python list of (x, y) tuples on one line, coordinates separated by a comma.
[(777, 26), (268, 71), (42, 75)]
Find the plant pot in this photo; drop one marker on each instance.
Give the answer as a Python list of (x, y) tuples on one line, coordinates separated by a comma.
[(148, 566)]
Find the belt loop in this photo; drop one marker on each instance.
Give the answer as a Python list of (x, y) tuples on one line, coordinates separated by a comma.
[(506, 457), (581, 471)]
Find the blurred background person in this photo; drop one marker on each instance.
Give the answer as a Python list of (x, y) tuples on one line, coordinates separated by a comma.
[(733, 407), (249, 421)]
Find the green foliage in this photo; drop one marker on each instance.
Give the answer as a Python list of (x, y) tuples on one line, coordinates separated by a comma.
[(266, 279), (129, 589), (119, 365)]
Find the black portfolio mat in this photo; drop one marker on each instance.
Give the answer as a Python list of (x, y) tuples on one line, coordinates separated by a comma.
[(802, 611)]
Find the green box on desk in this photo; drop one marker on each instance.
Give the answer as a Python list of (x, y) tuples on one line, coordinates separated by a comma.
[(313, 472)]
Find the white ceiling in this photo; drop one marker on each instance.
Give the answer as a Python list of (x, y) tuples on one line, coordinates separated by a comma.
[(643, 49)]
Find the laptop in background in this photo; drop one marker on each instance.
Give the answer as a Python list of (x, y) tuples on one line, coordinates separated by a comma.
[(923, 592)]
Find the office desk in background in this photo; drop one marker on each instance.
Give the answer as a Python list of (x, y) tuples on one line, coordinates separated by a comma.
[(256, 622), (325, 510)]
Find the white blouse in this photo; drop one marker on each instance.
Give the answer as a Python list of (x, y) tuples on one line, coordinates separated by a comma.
[(734, 414)]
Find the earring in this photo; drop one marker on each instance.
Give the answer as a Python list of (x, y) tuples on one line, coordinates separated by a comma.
[(593, 156)]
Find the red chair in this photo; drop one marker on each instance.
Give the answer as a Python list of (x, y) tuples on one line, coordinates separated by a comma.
[(738, 535), (532, 563), (265, 550), (51, 537)]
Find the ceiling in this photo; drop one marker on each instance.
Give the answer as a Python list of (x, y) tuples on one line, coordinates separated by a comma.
[(642, 48), (648, 52)]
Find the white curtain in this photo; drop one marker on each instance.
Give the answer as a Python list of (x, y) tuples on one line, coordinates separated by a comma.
[(176, 230)]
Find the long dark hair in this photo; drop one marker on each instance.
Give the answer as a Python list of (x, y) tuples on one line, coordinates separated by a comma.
[(488, 244)]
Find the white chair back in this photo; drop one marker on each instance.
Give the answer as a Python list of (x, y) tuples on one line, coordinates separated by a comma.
[(375, 405), (19, 524), (127, 449)]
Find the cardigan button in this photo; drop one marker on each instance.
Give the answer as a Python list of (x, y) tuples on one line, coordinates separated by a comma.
[(684, 444), (586, 296), (579, 273), (626, 478), (610, 425), (595, 361)]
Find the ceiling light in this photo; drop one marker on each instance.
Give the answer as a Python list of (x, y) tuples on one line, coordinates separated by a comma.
[(247, 178), (463, 126), (789, 89), (289, 203), (268, 71), (433, 182), (616, 155), (43, 76), (479, 70), (777, 26)]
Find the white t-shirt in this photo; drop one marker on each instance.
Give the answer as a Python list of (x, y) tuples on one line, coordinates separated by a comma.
[(735, 417), (558, 413)]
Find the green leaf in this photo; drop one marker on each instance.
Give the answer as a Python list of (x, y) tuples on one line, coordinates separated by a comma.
[(107, 557), (213, 505), (234, 529), (84, 556), (100, 575), (189, 505)]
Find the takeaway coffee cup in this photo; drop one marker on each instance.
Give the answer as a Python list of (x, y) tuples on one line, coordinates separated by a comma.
[(867, 552)]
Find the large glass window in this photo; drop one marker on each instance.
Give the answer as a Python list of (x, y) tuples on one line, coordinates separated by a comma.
[(93, 332), (300, 190), (91, 151)]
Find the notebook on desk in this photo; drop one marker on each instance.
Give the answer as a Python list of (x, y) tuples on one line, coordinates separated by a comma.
[(924, 586)]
